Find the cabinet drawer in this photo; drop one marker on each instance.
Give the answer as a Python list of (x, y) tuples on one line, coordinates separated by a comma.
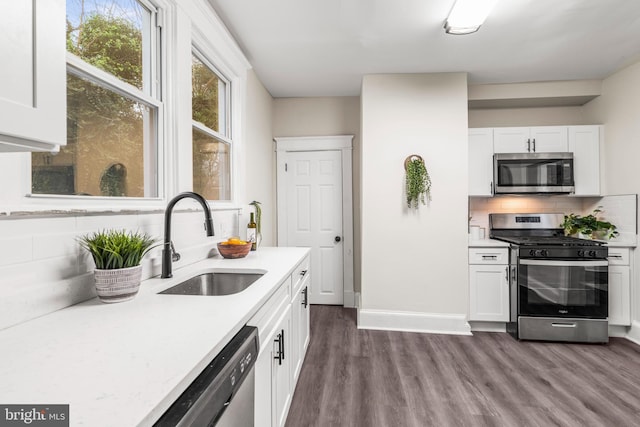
[(300, 273), (488, 256), (618, 256), (267, 316)]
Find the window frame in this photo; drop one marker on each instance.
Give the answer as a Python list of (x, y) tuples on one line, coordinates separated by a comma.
[(228, 120), (151, 94)]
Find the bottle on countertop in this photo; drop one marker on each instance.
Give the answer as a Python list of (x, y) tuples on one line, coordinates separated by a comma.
[(251, 233)]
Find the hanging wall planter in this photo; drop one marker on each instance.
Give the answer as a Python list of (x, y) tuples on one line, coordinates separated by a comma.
[(418, 181)]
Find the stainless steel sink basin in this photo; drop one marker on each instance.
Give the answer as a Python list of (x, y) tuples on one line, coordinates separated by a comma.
[(214, 284)]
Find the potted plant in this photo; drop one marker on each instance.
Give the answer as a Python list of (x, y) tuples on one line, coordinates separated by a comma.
[(117, 255), (417, 181), (588, 226)]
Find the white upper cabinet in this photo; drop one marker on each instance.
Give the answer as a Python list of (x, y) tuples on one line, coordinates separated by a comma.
[(32, 76), (584, 143), (541, 139), (481, 162)]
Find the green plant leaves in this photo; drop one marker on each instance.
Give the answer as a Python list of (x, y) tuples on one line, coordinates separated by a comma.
[(113, 249), (418, 183), (588, 225)]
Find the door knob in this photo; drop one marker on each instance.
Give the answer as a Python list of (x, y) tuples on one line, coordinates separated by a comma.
[(337, 239)]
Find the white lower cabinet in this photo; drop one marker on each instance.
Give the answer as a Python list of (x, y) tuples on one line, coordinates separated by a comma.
[(619, 287), (488, 285), (283, 329)]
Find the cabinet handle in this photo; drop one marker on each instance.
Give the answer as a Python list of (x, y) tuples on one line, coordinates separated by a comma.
[(528, 145), (305, 292), (282, 341), (615, 256), (303, 272), (489, 257), (280, 352), (506, 274), (491, 187), (534, 145)]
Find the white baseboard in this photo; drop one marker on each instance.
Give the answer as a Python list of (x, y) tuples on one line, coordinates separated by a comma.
[(452, 324), (633, 334), (618, 331), (488, 326), (349, 299)]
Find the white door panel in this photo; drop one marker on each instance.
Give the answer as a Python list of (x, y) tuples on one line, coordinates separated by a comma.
[(314, 218)]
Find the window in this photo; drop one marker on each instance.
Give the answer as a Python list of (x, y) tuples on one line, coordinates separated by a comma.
[(113, 104), (211, 136)]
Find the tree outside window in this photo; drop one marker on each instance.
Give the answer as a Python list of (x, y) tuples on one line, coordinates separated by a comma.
[(110, 121)]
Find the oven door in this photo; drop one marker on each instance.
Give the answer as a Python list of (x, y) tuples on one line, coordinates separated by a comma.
[(533, 173), (558, 288)]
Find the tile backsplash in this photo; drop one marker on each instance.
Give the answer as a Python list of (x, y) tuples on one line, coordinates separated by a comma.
[(481, 207), (620, 210), (43, 268)]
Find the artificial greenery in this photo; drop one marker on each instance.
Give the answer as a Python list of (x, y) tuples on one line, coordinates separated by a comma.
[(588, 225), (258, 218), (418, 183), (113, 249)]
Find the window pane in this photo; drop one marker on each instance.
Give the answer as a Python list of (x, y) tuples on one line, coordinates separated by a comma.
[(108, 35), (208, 97), (108, 147), (211, 167)]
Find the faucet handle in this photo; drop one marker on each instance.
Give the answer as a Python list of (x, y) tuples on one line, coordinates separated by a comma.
[(175, 256)]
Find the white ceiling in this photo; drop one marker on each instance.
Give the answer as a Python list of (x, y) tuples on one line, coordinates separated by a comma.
[(324, 47)]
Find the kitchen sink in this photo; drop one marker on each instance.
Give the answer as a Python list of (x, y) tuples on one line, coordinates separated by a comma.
[(212, 284)]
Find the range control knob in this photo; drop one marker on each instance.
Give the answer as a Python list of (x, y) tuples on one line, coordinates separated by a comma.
[(532, 252), (544, 253), (592, 253), (580, 252)]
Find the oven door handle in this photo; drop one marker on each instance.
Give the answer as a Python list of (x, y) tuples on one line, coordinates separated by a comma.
[(554, 263)]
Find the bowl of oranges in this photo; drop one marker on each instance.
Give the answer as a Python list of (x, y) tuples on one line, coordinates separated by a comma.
[(234, 247)]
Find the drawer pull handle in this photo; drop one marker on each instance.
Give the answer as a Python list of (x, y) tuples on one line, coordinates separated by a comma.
[(490, 257), (305, 292), (563, 325), (615, 256), (303, 272)]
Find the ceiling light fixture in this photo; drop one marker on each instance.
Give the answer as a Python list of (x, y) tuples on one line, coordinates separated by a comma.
[(466, 16)]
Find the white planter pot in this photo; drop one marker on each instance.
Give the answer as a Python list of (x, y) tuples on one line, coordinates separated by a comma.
[(117, 285)]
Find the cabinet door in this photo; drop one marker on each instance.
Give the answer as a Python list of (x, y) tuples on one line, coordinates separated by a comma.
[(481, 162), (489, 293), (584, 143), (32, 76), (281, 381), (549, 139), (300, 325), (511, 140), (263, 403), (619, 295)]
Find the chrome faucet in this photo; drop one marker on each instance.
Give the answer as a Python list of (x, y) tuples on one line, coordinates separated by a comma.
[(168, 251)]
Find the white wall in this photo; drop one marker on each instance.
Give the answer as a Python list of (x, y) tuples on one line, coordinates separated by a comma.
[(320, 117), (548, 116), (260, 157), (618, 108), (414, 261)]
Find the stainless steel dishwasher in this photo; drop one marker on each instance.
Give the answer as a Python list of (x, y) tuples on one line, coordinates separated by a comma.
[(223, 394)]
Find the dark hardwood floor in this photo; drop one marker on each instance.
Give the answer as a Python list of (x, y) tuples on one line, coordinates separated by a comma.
[(354, 377)]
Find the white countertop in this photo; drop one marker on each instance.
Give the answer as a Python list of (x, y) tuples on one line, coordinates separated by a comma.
[(123, 364), (487, 243)]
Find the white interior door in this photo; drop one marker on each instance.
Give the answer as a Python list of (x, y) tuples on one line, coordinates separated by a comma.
[(313, 186)]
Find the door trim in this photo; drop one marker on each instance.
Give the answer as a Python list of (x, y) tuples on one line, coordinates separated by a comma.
[(343, 143)]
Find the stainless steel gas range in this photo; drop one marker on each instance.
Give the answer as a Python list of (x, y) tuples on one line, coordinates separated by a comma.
[(558, 285)]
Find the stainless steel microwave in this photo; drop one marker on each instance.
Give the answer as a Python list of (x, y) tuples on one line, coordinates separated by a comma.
[(523, 173)]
